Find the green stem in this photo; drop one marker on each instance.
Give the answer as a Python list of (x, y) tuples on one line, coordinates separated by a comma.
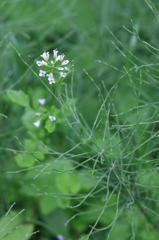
[(53, 90)]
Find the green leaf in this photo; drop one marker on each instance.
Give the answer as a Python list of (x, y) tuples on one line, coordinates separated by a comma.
[(13, 227), (24, 160), (18, 97), (47, 204), (28, 119), (34, 146), (87, 181), (50, 126), (56, 222), (120, 227), (68, 183), (63, 165), (63, 203)]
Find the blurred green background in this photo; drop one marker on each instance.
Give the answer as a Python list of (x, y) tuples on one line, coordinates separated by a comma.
[(116, 43)]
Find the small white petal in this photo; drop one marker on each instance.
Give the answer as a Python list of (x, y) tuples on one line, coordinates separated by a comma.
[(50, 78), (42, 101), (65, 62), (37, 123), (39, 63), (59, 237), (62, 74), (55, 53), (42, 73), (45, 55), (67, 69), (52, 63), (44, 63), (52, 81), (52, 118), (60, 57), (60, 68)]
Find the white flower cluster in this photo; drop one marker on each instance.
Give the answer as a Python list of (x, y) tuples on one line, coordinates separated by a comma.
[(57, 65), (52, 118)]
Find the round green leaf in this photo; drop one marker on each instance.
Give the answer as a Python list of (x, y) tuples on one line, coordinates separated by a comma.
[(18, 97)]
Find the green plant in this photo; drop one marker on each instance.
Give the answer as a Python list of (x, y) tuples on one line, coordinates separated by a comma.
[(79, 150)]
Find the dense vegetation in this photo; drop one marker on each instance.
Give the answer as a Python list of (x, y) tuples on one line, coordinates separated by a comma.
[(88, 169)]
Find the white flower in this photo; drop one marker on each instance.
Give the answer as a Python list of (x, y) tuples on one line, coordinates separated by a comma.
[(65, 62), (55, 53), (67, 69), (52, 118), (39, 63), (44, 63), (45, 55), (42, 101), (37, 123), (50, 78), (59, 237), (52, 63), (37, 114), (42, 73), (62, 74), (60, 57), (60, 68)]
